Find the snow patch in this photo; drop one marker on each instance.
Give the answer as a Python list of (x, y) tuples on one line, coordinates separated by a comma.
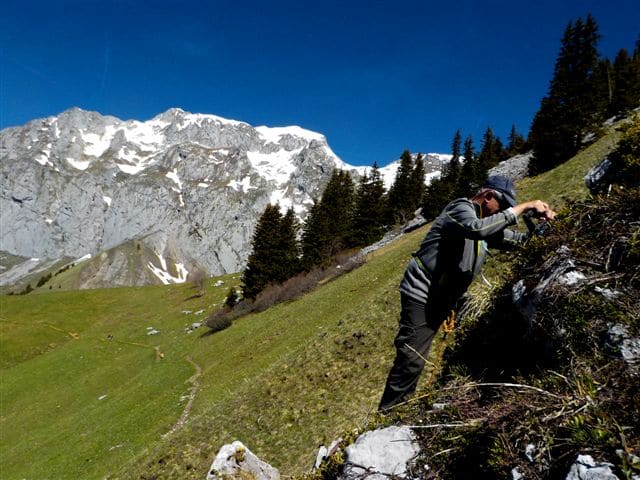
[(243, 185), (273, 134), (164, 276), (173, 175), (43, 157), (78, 164), (96, 145), (130, 169), (277, 166), (83, 258), (107, 200), (48, 221)]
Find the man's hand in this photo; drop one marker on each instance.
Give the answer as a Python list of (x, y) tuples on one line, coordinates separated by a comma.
[(540, 208)]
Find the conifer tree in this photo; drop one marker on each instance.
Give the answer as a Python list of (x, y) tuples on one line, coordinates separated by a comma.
[(398, 199), (626, 82), (328, 226), (437, 195), (368, 217), (490, 153), (516, 142), (571, 107), (451, 171), (471, 176), (337, 206), (416, 186), (289, 247), (262, 266), (315, 238)]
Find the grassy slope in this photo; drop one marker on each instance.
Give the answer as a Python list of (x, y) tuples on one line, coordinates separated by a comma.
[(283, 381)]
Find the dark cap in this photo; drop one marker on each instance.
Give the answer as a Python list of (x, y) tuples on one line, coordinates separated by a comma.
[(503, 185)]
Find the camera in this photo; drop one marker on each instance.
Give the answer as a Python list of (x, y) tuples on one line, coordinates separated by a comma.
[(539, 229)]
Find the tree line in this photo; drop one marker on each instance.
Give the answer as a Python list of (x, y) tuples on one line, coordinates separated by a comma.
[(584, 91)]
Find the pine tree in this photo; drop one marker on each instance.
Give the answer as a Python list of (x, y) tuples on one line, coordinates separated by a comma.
[(337, 207), (328, 227), (516, 142), (626, 82), (491, 153), (451, 170), (315, 238), (368, 217), (289, 247), (262, 265), (399, 200), (416, 186), (471, 177), (571, 108)]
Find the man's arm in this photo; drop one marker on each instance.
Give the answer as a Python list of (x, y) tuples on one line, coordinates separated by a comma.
[(462, 219)]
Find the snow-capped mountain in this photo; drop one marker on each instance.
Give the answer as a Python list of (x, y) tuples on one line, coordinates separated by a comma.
[(150, 201)]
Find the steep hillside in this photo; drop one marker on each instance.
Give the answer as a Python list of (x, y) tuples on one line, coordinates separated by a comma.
[(120, 383)]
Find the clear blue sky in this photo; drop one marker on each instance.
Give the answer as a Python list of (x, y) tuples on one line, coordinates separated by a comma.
[(375, 77)]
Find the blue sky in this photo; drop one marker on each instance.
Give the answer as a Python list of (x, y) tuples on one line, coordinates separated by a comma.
[(375, 77)]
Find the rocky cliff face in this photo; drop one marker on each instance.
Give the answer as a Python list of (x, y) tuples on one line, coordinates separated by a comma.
[(188, 188)]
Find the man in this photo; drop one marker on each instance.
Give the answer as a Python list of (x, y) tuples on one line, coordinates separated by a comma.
[(450, 256)]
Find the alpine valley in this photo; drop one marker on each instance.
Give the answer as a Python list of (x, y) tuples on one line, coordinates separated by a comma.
[(135, 203)]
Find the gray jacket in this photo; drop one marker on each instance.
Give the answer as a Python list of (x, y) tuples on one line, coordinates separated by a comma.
[(454, 250)]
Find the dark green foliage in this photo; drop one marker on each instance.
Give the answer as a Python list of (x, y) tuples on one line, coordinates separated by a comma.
[(290, 259), (44, 279), (517, 143), (315, 238), (626, 81), (401, 202), (439, 193), (490, 155), (416, 186), (368, 216), (328, 227), (274, 256), (451, 171), (471, 176), (233, 297), (572, 108), (625, 159)]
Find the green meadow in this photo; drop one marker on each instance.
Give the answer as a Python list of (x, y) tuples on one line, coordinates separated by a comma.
[(87, 392)]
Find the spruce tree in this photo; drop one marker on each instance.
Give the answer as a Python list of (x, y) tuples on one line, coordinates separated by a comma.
[(471, 176), (368, 217), (451, 170), (328, 227), (337, 206), (571, 108), (626, 82), (289, 247), (399, 196), (315, 238), (516, 142), (416, 186), (262, 266)]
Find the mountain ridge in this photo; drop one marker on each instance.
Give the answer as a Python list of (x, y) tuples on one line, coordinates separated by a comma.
[(189, 187)]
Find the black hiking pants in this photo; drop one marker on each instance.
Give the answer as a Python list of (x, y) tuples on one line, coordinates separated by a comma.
[(419, 323)]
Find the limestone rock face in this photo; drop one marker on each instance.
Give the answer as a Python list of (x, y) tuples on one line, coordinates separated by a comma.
[(187, 188)]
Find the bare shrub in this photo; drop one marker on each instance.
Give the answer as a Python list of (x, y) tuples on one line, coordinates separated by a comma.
[(291, 289), (218, 322)]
